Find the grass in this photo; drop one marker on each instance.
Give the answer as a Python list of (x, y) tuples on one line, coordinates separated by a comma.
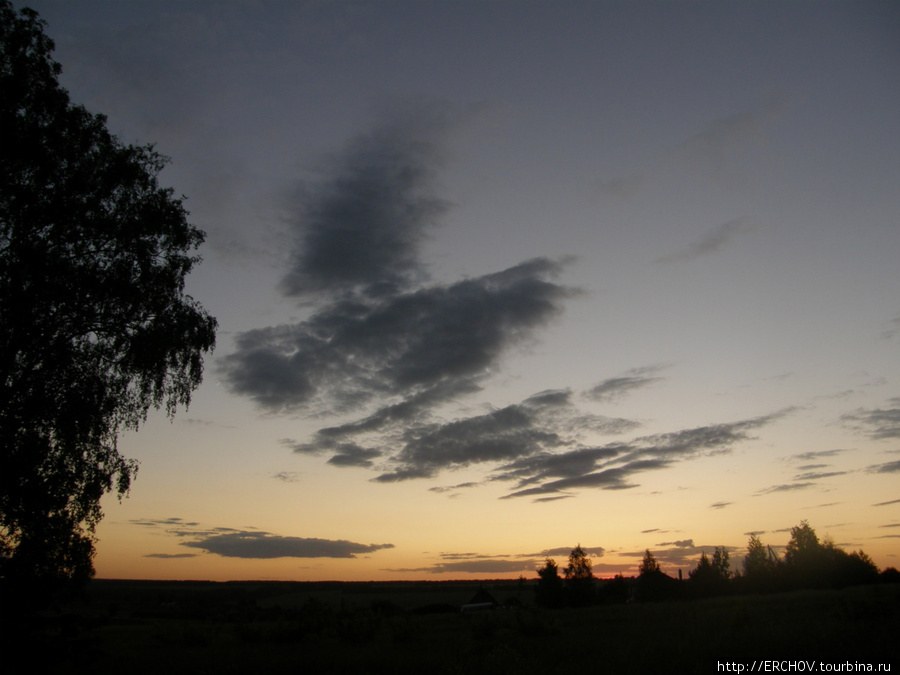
[(147, 627)]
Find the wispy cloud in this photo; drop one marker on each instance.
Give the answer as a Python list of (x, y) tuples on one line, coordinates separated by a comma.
[(893, 328), (614, 388), (817, 454), (532, 428), (252, 544), (675, 554), (879, 423), (888, 503), (711, 242), (785, 487), (476, 563), (818, 475), (620, 187), (715, 146), (484, 566), (287, 476), (615, 466), (887, 467)]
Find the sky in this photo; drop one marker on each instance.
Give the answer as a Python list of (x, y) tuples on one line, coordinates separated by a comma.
[(494, 279)]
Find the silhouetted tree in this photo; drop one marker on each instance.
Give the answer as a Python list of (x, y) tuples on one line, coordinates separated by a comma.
[(95, 328), (809, 563), (805, 558), (803, 547), (549, 589), (703, 568), (648, 564), (616, 590), (889, 575), (721, 563), (579, 577), (652, 583), (759, 568), (710, 577)]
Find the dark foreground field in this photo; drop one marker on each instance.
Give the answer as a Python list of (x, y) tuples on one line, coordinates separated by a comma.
[(189, 627)]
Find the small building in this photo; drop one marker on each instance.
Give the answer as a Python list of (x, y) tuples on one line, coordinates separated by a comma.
[(482, 601)]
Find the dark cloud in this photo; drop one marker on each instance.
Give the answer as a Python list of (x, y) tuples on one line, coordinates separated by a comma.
[(377, 333), (888, 467), (171, 556), (351, 454), (678, 554), (564, 551), (376, 329), (263, 545), (230, 542), (881, 423), (523, 437), (163, 522), (422, 345), (681, 543), (547, 465), (818, 475), (711, 242), (614, 466), (720, 505), (475, 563), (616, 387), (504, 434), (360, 226), (476, 566), (893, 501)]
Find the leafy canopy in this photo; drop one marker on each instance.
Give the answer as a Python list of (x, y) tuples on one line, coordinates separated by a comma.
[(649, 564), (95, 327), (580, 565)]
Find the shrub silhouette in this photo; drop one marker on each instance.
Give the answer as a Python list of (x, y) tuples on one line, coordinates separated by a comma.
[(549, 589), (711, 577), (579, 578)]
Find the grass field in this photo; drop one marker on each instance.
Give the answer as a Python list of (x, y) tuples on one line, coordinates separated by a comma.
[(193, 627)]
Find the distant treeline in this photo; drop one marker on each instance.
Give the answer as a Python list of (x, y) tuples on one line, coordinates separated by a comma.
[(807, 563)]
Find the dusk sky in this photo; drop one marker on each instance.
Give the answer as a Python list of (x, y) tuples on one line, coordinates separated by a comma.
[(497, 278)]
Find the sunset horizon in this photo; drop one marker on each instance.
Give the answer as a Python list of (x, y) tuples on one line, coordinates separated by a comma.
[(493, 280)]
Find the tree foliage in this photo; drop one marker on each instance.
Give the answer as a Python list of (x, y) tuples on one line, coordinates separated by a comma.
[(757, 564), (579, 577), (808, 563), (711, 575), (649, 564), (95, 327), (549, 589), (580, 565)]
